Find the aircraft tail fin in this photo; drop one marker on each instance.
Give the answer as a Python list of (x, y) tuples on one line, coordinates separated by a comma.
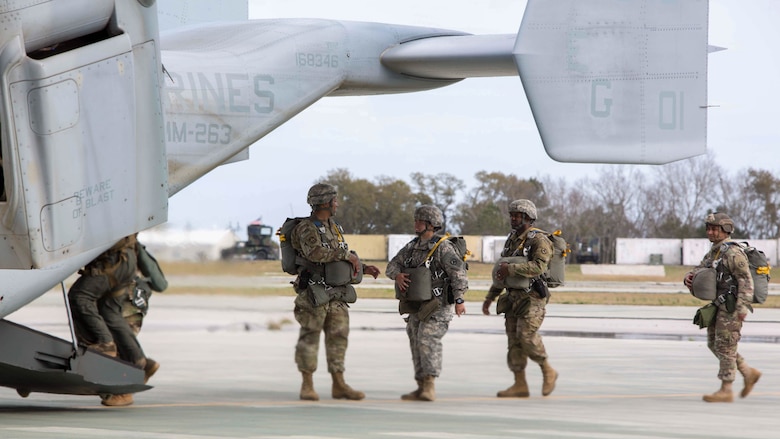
[(614, 81)]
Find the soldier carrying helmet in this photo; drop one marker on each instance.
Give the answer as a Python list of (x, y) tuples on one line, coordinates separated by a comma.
[(733, 296), (527, 254)]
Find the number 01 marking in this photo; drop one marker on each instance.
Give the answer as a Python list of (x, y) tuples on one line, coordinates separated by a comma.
[(669, 105)]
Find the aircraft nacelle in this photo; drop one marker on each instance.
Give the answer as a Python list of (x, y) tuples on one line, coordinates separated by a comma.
[(83, 156)]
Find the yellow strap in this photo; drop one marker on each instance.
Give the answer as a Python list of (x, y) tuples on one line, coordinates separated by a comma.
[(522, 243), (446, 236), (335, 228)]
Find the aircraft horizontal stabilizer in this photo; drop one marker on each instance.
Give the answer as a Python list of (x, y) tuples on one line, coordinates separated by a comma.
[(611, 81), (32, 361)]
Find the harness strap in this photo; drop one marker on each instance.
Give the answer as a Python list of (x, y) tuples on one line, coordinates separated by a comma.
[(435, 246)]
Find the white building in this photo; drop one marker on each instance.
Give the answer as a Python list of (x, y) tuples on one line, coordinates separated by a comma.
[(187, 245)]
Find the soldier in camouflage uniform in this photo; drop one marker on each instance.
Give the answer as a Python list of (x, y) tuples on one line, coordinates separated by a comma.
[(111, 271), (319, 240), (734, 295), (429, 320), (133, 301), (525, 308)]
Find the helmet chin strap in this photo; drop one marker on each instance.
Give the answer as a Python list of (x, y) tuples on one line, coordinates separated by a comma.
[(428, 226), (525, 222), (328, 207)]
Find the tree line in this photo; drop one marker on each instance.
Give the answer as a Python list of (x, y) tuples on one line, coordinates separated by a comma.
[(668, 201)]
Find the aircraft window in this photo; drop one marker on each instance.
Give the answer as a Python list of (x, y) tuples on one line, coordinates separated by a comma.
[(75, 43)]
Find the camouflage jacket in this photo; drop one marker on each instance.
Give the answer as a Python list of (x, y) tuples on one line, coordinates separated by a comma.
[(445, 263), (733, 261), (320, 241), (534, 245)]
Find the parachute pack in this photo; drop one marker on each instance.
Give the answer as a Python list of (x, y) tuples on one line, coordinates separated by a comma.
[(459, 243), (287, 250), (290, 261), (555, 275), (759, 270)]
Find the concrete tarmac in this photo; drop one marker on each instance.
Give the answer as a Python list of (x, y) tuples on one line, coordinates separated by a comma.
[(228, 372)]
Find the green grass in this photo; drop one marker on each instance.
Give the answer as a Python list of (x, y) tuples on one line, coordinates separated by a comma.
[(673, 273)]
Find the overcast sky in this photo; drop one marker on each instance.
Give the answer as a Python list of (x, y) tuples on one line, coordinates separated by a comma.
[(475, 125)]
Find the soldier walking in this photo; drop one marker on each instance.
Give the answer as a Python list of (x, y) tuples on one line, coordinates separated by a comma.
[(524, 303), (734, 294)]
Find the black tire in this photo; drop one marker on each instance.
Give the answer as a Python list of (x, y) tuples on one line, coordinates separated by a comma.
[(260, 255)]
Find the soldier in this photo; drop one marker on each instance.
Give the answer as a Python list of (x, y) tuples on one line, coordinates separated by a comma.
[(133, 301), (326, 271), (429, 276), (524, 308), (111, 271), (734, 294)]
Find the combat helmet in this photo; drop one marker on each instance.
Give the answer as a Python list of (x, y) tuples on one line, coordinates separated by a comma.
[(720, 219), (523, 206), (431, 214), (320, 193)]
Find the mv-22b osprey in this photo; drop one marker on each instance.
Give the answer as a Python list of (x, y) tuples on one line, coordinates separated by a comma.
[(101, 119)]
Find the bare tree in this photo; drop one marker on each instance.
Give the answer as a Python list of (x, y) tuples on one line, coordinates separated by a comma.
[(752, 199), (679, 195)]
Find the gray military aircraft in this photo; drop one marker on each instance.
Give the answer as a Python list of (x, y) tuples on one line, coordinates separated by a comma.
[(103, 118)]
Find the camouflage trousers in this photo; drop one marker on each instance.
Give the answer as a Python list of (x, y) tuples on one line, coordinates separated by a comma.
[(135, 321), (331, 318), (722, 339), (425, 341), (523, 339), (83, 298), (127, 345)]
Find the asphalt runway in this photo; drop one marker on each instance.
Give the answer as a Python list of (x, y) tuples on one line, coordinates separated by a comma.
[(228, 372)]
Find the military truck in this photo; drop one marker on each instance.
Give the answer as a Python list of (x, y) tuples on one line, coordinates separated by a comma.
[(588, 250), (258, 246)]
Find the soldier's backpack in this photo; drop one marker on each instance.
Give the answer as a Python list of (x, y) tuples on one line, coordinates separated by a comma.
[(287, 250), (150, 268), (759, 270), (459, 243), (555, 275), (290, 258), (556, 272)]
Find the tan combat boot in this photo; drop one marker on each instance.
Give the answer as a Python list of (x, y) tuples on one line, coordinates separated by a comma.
[(117, 400), (307, 388), (517, 390), (549, 376), (751, 378), (415, 394), (724, 394), (341, 390), (428, 390), (150, 368)]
